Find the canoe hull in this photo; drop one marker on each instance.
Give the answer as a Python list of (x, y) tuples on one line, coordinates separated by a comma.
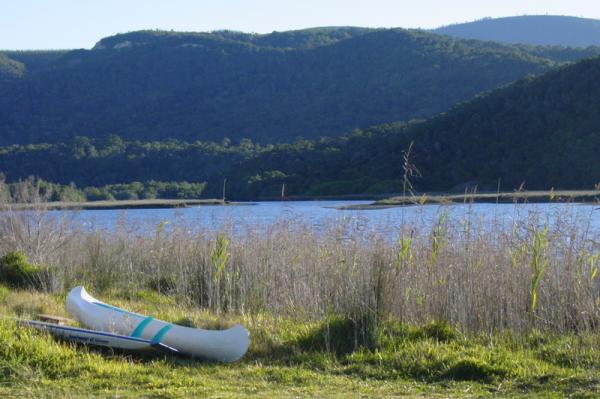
[(224, 345), (96, 338)]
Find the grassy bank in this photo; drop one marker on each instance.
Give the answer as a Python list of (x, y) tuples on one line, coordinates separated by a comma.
[(454, 308), (292, 358), (581, 196)]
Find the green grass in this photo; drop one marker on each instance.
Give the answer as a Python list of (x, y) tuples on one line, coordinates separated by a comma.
[(289, 358)]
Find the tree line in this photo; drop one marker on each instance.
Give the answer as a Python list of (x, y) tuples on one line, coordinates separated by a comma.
[(35, 190)]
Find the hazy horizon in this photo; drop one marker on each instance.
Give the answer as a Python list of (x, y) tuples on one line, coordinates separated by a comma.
[(68, 24)]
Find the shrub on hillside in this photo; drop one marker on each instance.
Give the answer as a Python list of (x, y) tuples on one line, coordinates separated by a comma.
[(16, 272)]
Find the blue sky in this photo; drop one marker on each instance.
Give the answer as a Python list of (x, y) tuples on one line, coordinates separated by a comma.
[(43, 24)]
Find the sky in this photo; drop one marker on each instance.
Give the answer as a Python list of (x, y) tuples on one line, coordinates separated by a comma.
[(67, 24)]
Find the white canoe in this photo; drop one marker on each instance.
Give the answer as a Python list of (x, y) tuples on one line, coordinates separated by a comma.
[(97, 338), (220, 345)]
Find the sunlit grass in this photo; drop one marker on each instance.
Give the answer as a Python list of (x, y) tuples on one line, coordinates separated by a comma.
[(288, 358)]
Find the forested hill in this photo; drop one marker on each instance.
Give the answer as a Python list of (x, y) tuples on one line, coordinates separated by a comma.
[(269, 88), (544, 30), (543, 132)]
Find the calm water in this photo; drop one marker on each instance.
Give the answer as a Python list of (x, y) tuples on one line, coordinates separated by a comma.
[(319, 215)]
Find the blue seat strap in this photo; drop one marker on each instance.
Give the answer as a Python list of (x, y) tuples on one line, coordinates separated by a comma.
[(161, 333), (140, 327)]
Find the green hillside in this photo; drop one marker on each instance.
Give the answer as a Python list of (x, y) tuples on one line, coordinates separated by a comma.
[(544, 132), (155, 85)]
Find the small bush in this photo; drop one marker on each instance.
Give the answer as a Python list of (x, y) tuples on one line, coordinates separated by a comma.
[(536, 339), (186, 322), (29, 309), (153, 297), (4, 292), (16, 272), (340, 336), (163, 284), (440, 331), (472, 370)]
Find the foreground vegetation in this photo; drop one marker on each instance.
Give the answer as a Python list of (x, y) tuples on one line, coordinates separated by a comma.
[(292, 358), (460, 308), (479, 275)]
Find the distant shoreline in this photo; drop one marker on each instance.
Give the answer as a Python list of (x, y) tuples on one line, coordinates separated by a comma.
[(112, 205), (380, 201), (562, 196)]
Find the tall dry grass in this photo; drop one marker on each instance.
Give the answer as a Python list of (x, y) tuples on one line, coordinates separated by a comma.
[(480, 277)]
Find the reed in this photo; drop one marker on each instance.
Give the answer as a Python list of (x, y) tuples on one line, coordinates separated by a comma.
[(475, 276)]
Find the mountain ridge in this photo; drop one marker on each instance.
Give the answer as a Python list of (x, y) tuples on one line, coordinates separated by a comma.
[(545, 30), (224, 85), (294, 39)]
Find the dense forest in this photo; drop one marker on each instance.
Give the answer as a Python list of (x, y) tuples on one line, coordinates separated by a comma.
[(540, 131), (270, 88), (108, 160), (35, 190), (544, 30)]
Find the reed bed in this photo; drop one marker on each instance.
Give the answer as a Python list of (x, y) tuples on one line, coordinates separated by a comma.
[(476, 276)]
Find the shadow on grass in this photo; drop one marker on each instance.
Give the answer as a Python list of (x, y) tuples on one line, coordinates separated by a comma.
[(434, 353), (339, 341)]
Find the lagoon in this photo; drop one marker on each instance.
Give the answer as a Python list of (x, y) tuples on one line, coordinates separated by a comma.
[(321, 215)]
